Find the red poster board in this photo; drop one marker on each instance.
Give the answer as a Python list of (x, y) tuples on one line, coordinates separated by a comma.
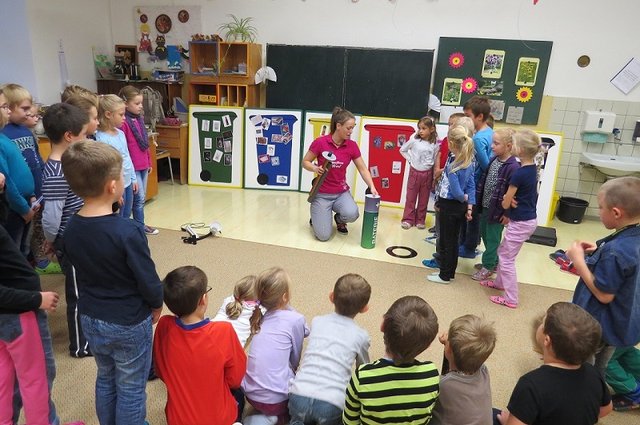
[(384, 150)]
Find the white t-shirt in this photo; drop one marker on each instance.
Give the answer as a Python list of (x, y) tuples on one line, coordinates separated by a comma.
[(421, 154), (335, 343), (241, 325)]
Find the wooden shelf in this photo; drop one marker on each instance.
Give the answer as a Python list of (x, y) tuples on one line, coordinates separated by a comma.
[(232, 83)]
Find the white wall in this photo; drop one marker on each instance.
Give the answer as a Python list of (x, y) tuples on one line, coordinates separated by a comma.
[(606, 31), (16, 65)]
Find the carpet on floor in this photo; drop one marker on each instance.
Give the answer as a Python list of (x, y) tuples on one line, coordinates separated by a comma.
[(313, 274)]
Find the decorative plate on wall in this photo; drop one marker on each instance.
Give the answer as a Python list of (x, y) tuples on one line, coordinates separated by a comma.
[(183, 16), (163, 23), (144, 18)]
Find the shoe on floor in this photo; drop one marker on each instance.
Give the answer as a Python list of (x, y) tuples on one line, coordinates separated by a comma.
[(342, 227), (405, 225), (491, 284), (51, 268), (437, 279), (500, 300), (151, 230), (482, 274), (432, 263), (465, 253), (421, 226), (431, 239), (432, 229)]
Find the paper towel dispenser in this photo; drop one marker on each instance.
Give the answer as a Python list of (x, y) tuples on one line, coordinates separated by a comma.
[(598, 122)]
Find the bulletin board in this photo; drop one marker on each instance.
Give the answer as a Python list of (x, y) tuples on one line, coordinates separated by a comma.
[(380, 142), (272, 149), (215, 145), (511, 73), (317, 124)]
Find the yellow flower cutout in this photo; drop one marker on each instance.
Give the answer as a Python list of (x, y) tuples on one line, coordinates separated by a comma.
[(524, 94)]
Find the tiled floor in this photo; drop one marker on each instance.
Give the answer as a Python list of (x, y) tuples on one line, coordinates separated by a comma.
[(282, 218)]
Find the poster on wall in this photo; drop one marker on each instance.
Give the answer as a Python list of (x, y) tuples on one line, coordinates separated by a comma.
[(272, 149), (318, 124), (215, 146), (380, 142), (159, 30)]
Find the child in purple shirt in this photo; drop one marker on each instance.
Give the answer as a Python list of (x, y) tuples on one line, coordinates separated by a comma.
[(276, 346)]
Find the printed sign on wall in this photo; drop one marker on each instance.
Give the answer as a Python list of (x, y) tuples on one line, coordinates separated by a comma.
[(215, 146), (272, 154)]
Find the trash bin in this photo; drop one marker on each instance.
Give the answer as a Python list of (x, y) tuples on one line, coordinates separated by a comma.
[(571, 210)]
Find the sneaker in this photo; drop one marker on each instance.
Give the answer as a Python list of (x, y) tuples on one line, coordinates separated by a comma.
[(431, 239), (465, 253), (405, 225), (151, 230), (51, 268), (437, 279), (421, 226), (482, 274), (432, 229), (342, 227), (500, 300), (432, 263)]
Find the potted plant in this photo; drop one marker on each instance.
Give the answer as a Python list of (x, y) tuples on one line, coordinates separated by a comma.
[(239, 29)]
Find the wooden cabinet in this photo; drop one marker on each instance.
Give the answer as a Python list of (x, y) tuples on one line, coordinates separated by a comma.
[(152, 179), (166, 89), (175, 139), (223, 73)]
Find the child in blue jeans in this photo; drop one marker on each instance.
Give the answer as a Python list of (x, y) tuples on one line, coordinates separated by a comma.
[(120, 292)]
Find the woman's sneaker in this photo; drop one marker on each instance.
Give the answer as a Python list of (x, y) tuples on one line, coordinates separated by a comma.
[(342, 227), (151, 230), (482, 274), (405, 225)]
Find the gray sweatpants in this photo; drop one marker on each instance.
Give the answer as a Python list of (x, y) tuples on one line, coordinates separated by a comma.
[(321, 208)]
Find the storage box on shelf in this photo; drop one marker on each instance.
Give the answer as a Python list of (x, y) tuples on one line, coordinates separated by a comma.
[(223, 73), (167, 89)]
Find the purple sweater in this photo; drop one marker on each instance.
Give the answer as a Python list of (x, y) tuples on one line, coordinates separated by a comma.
[(504, 176)]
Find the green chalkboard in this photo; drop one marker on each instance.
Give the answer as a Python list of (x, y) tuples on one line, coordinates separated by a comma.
[(309, 77), (379, 82), (511, 73)]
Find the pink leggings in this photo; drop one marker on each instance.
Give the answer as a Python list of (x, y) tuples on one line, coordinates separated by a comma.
[(22, 355)]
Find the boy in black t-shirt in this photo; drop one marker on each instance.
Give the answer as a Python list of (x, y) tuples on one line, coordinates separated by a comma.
[(565, 390)]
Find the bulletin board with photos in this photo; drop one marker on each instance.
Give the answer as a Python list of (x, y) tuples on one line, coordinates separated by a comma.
[(511, 73)]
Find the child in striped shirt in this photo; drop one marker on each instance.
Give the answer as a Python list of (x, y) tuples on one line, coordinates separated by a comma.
[(64, 125), (397, 388)]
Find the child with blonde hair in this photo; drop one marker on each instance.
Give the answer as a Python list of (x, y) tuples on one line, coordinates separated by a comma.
[(465, 388), (489, 194), (238, 308), (139, 149), (111, 111), (276, 347), (456, 197), (74, 90), (420, 153), (519, 203)]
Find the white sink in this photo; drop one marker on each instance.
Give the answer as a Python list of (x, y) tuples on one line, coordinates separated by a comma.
[(612, 165)]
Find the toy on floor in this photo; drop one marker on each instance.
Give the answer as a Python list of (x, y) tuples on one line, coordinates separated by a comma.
[(199, 231)]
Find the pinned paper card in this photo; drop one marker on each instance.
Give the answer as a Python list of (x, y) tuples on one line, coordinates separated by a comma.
[(215, 125), (256, 120), (282, 179), (226, 120), (275, 161), (396, 167), (514, 115), (227, 146), (208, 142), (206, 125), (271, 150), (374, 171), (217, 156)]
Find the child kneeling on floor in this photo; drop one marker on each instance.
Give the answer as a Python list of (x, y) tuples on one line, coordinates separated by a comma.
[(465, 389), (199, 361), (565, 389), (397, 388)]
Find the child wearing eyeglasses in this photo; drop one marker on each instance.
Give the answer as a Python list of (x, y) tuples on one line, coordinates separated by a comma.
[(200, 361)]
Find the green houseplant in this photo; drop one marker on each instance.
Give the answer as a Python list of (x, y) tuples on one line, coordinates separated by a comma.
[(239, 29)]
